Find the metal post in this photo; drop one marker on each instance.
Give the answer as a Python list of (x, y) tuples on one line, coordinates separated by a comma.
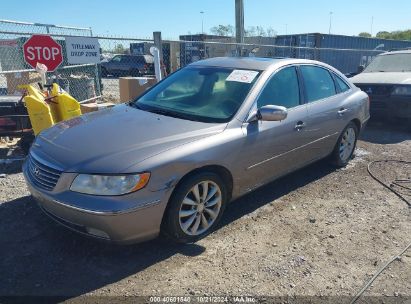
[(239, 24), (329, 30), (202, 22), (158, 44)]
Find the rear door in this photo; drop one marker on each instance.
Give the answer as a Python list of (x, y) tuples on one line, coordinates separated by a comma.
[(125, 64), (327, 108)]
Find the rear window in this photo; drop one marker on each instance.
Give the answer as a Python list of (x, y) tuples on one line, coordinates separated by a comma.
[(341, 84), (318, 83)]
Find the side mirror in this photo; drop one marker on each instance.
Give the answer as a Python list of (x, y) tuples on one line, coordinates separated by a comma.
[(269, 113)]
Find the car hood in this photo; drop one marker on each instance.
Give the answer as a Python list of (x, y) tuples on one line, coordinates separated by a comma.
[(112, 140), (382, 78)]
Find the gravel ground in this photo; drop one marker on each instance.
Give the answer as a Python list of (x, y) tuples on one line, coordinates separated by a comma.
[(317, 232)]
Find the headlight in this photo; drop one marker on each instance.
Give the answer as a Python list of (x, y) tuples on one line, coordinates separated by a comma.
[(404, 90), (109, 184)]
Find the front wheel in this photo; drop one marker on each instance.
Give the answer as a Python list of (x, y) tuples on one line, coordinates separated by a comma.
[(195, 207), (344, 149), (135, 73), (104, 72)]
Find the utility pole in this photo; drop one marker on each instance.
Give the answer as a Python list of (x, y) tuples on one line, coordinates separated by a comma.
[(372, 24), (202, 22), (329, 30), (239, 25)]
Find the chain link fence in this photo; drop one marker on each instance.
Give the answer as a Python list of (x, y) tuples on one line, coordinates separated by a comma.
[(122, 57), (14, 71), (85, 82), (345, 60)]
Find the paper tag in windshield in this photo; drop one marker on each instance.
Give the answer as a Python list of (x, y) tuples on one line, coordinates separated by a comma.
[(242, 76)]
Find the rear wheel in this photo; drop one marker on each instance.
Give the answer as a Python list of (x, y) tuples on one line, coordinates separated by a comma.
[(104, 72), (195, 207), (344, 149)]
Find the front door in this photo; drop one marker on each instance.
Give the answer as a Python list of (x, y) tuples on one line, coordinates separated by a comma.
[(273, 148)]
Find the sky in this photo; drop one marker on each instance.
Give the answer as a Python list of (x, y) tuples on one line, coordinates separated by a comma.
[(140, 18)]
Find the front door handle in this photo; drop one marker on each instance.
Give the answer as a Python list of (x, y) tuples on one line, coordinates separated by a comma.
[(342, 111), (300, 125)]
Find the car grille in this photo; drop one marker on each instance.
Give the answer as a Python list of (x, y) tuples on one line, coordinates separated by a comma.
[(41, 175), (377, 90)]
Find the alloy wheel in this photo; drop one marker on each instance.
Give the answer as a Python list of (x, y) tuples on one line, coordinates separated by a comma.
[(200, 208), (347, 144)]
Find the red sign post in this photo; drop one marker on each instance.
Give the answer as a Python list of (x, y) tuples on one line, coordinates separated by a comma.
[(43, 49)]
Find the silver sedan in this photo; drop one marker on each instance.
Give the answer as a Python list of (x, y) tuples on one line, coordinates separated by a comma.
[(172, 159)]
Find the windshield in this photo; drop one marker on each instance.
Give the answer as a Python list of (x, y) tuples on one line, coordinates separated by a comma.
[(390, 63), (207, 94)]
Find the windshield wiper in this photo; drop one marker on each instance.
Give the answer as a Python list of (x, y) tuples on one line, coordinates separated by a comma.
[(135, 105), (165, 112), (170, 113)]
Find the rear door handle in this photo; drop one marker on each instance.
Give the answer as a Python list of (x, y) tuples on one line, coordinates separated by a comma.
[(342, 111), (300, 125)]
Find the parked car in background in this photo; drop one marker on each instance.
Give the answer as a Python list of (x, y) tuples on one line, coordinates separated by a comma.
[(104, 57), (387, 81), (173, 158), (128, 65)]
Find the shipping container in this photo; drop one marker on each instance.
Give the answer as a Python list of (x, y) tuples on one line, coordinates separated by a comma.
[(346, 53), (193, 47)]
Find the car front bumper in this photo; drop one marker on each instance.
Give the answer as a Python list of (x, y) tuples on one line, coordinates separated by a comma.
[(134, 224), (390, 107)]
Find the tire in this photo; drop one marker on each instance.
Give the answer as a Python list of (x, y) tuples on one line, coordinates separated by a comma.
[(345, 147), (25, 143), (135, 73), (184, 212), (104, 72)]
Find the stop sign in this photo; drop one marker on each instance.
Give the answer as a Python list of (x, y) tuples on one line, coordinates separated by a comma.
[(43, 49)]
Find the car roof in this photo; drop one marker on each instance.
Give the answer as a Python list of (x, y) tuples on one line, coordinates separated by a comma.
[(249, 63)]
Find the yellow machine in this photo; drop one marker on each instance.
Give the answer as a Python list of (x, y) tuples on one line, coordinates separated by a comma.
[(37, 108), (47, 109), (63, 105)]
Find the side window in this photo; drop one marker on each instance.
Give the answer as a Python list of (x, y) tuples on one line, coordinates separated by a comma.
[(116, 59), (281, 90), (318, 83), (341, 84), (126, 59)]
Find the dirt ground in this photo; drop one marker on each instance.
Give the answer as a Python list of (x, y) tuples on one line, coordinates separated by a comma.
[(318, 232)]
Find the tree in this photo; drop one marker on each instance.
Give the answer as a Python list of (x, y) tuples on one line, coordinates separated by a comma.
[(364, 34), (383, 35), (251, 31), (223, 30), (271, 32), (396, 35), (259, 31), (119, 49)]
